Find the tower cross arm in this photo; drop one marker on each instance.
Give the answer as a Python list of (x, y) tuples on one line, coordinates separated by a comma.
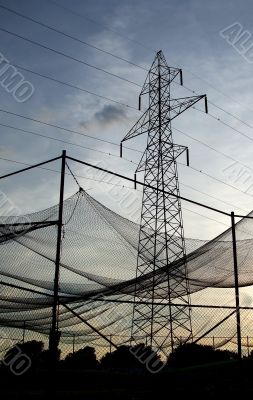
[(141, 126), (178, 106), (168, 74)]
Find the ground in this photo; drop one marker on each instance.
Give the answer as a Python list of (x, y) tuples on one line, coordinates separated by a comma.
[(228, 378)]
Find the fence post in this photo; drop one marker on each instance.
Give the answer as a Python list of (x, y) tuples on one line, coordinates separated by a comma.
[(110, 344), (24, 327), (54, 332), (213, 343), (74, 339), (248, 345), (237, 298)]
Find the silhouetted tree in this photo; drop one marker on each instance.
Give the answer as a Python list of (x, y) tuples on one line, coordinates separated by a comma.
[(45, 358), (196, 354), (137, 356), (83, 359), (32, 349), (120, 358)]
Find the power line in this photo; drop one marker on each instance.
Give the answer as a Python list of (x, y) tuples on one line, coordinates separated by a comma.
[(38, 165), (143, 184), (91, 149), (225, 124), (111, 54), (216, 179), (62, 141), (212, 197), (213, 149), (65, 129), (231, 127), (85, 43), (210, 147), (134, 108), (110, 183), (104, 26), (148, 48), (74, 86), (58, 172), (212, 86), (114, 75), (211, 219), (70, 36), (79, 133), (68, 56), (88, 148), (98, 180), (219, 107), (231, 115), (136, 182)]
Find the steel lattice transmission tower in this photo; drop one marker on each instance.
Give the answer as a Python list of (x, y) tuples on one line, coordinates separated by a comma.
[(161, 237)]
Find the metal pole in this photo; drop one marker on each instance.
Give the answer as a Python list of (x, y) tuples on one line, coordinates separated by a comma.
[(74, 337), (54, 333), (214, 327), (110, 344), (248, 345), (237, 298), (89, 325), (23, 340)]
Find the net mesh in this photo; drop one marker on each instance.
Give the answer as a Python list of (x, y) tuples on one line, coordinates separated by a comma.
[(97, 275)]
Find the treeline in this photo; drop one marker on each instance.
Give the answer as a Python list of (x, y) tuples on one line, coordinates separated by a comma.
[(124, 357)]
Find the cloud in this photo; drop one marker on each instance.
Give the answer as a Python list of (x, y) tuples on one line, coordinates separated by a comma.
[(110, 114), (106, 117)]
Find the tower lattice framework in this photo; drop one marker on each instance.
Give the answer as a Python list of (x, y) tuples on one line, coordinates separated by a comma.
[(161, 237)]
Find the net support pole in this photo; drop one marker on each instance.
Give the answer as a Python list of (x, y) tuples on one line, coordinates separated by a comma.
[(237, 298), (54, 332), (74, 340), (24, 328)]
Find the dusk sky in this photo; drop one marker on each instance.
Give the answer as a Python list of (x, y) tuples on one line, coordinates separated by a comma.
[(189, 34)]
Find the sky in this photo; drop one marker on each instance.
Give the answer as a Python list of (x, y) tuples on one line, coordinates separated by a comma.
[(201, 37)]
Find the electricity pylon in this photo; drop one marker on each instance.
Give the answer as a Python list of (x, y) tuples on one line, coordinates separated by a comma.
[(161, 237)]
